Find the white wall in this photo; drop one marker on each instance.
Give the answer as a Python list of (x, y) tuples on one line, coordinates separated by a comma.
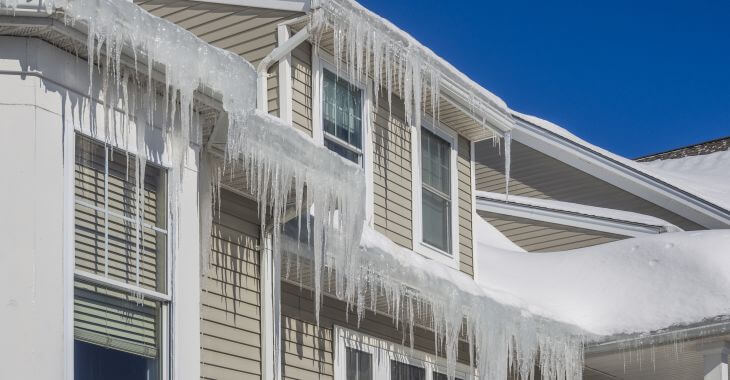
[(43, 91)]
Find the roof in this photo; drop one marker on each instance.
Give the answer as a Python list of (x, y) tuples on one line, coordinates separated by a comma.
[(698, 183), (707, 147)]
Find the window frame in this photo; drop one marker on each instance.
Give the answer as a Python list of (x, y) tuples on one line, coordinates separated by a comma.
[(380, 350), (341, 76), (451, 259), (164, 299), (322, 60)]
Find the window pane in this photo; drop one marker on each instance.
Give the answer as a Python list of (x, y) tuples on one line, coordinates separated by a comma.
[(342, 110), (359, 365), (441, 376), (107, 230), (403, 371), (342, 151), (93, 362), (436, 215), (436, 165)]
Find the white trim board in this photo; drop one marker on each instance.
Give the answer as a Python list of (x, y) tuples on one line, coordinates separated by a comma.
[(607, 169), (567, 218), (382, 352), (282, 5)]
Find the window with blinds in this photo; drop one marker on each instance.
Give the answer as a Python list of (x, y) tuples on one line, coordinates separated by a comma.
[(120, 294)]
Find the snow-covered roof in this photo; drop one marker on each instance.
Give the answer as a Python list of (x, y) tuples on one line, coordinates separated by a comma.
[(579, 209), (705, 177), (629, 286)]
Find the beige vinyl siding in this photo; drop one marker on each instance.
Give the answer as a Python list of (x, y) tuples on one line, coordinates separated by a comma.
[(230, 295), (537, 236), (301, 82), (538, 175), (392, 188), (307, 350), (463, 167)]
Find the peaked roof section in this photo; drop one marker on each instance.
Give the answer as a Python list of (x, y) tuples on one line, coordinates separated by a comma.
[(698, 192)]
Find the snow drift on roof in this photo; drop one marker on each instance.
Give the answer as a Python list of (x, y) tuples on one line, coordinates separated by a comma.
[(629, 286), (705, 175)]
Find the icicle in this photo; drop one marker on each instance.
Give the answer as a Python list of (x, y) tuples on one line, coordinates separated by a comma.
[(507, 162)]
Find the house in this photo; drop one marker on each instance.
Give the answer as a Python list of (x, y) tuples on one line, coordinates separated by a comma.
[(173, 211)]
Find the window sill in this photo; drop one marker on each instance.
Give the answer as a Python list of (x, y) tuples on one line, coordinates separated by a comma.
[(433, 253)]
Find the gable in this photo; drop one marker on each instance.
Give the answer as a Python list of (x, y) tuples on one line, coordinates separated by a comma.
[(535, 174)]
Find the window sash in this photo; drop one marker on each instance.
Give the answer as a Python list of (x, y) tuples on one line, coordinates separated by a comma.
[(359, 365), (107, 227), (342, 114), (405, 371), (436, 202), (436, 223)]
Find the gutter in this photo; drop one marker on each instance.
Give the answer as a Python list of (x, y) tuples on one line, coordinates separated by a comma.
[(568, 218), (277, 54), (720, 326)]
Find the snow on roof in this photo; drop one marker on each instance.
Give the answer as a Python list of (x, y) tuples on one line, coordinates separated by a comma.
[(706, 177), (629, 286), (576, 208)]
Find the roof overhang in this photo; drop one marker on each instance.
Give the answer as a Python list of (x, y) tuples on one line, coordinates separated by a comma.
[(618, 174)]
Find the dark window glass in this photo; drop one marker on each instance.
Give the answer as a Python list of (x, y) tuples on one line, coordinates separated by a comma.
[(403, 371), (359, 365), (342, 151), (441, 376), (92, 362)]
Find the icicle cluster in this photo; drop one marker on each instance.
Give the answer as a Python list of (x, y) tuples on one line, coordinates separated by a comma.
[(503, 339), (286, 171)]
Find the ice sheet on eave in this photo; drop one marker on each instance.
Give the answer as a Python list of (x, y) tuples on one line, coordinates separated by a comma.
[(630, 286), (577, 208), (704, 176)]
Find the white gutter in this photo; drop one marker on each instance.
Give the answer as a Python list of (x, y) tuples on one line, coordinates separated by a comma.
[(277, 54), (281, 5), (567, 218)]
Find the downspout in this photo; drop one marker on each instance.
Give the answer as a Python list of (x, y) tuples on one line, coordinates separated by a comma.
[(277, 54)]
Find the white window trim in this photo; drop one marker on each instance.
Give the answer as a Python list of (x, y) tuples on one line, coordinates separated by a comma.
[(71, 274), (382, 352), (321, 61), (419, 246)]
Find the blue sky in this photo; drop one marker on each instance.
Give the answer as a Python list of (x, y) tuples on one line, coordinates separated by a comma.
[(635, 77)]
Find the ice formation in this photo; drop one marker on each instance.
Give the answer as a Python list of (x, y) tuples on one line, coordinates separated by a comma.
[(503, 334), (280, 163)]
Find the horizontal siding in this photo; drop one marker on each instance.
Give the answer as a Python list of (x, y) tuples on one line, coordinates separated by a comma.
[(463, 166), (308, 349), (392, 186), (536, 236), (534, 174), (230, 295), (301, 82)]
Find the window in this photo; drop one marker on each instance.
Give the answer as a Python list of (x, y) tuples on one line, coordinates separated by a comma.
[(442, 376), (436, 191), (403, 371), (369, 358), (120, 287), (359, 365), (342, 117)]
